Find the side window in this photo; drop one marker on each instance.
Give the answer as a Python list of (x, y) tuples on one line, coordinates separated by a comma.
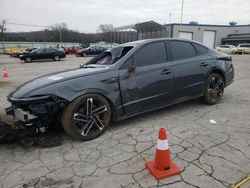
[(49, 50), (245, 45), (150, 54), (39, 51), (200, 49), (182, 50)]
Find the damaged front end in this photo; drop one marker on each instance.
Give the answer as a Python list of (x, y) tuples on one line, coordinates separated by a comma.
[(35, 114)]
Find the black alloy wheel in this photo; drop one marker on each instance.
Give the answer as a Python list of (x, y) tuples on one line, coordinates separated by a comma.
[(214, 88)]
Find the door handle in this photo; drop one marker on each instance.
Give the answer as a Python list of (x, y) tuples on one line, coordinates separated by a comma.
[(166, 71), (203, 64)]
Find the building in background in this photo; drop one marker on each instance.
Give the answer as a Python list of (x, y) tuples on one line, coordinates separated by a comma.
[(139, 31), (209, 35)]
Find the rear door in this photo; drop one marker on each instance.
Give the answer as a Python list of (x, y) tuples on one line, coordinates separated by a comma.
[(92, 50), (191, 67), (50, 53), (99, 50), (146, 79)]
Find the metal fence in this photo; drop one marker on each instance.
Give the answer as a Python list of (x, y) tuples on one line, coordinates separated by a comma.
[(104, 44), (4, 45)]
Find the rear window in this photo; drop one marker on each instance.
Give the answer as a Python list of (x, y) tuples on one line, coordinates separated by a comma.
[(200, 50), (50, 50), (245, 45), (182, 50)]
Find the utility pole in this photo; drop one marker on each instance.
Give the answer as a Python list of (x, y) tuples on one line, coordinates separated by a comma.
[(97, 35), (60, 34), (170, 15), (3, 28), (182, 6)]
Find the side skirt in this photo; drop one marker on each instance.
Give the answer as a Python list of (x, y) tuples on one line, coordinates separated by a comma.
[(153, 109)]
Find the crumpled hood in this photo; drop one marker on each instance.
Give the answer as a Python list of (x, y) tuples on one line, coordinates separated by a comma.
[(26, 89)]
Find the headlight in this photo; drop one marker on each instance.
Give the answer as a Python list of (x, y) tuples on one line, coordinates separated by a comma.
[(20, 55), (29, 99)]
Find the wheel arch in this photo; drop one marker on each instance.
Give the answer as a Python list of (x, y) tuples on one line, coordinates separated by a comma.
[(217, 70), (101, 93)]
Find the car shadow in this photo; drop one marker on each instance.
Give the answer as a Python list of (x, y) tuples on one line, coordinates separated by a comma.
[(184, 106), (57, 136)]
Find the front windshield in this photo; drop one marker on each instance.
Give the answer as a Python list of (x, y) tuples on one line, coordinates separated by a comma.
[(110, 56)]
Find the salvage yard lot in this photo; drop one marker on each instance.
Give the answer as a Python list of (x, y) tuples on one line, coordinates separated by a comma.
[(210, 155)]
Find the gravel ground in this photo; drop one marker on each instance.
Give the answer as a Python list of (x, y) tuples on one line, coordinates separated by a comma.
[(210, 155)]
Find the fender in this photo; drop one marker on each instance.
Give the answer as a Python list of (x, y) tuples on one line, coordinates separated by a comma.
[(216, 69), (113, 98)]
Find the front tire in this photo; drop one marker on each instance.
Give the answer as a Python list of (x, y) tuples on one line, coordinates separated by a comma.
[(214, 89), (28, 59), (87, 117)]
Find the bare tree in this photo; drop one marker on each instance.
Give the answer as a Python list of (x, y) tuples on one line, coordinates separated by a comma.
[(105, 28), (105, 32), (3, 28), (58, 30)]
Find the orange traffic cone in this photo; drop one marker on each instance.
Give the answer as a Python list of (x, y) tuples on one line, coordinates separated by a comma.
[(162, 166), (5, 74)]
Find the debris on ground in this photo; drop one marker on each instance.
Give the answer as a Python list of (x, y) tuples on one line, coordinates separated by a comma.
[(48, 139), (212, 121)]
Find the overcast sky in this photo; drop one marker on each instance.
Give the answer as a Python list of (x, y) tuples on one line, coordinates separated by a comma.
[(87, 15)]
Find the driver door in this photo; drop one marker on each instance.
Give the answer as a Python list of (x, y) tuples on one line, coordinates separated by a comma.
[(146, 79), (39, 54)]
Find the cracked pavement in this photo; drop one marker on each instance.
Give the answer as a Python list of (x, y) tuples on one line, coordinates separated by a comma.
[(210, 155)]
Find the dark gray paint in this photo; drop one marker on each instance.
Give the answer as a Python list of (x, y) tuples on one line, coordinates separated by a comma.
[(144, 89)]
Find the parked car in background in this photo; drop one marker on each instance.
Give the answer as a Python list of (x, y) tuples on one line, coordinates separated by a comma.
[(243, 48), (124, 81), (43, 53), (230, 49), (18, 53), (92, 50), (73, 50)]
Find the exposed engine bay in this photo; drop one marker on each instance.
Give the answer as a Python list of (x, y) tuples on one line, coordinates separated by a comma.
[(32, 118)]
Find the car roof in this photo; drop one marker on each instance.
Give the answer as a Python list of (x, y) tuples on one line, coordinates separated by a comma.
[(244, 44), (227, 45), (145, 41)]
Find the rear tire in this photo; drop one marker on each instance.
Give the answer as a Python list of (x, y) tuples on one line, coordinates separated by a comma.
[(57, 58), (214, 89), (87, 117)]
